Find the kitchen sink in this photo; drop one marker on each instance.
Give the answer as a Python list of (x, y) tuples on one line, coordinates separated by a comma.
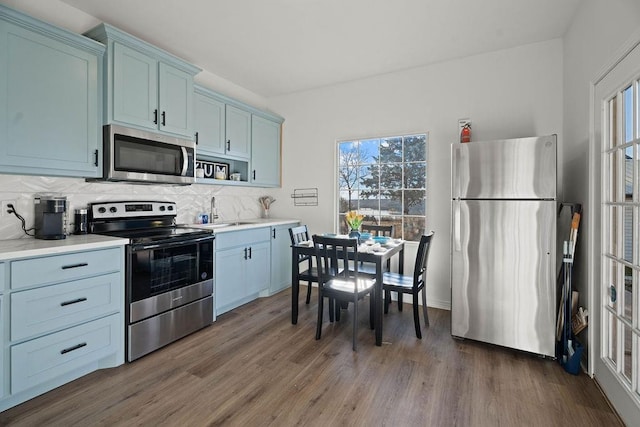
[(226, 224)]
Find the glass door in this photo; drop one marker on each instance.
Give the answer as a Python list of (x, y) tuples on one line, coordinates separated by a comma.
[(617, 315)]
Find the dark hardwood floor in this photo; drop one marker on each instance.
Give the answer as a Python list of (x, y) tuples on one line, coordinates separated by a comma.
[(253, 368)]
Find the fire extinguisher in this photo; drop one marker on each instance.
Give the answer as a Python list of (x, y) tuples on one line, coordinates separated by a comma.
[(465, 133)]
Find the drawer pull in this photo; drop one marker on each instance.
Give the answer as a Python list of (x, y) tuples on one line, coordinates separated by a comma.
[(73, 301), (75, 347), (82, 264)]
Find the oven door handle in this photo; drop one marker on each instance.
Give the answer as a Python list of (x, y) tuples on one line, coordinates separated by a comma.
[(165, 245)]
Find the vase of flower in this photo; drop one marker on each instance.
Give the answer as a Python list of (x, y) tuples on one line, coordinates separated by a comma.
[(354, 221)]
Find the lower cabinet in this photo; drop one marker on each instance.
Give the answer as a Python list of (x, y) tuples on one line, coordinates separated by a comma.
[(280, 257), (65, 320), (242, 267)]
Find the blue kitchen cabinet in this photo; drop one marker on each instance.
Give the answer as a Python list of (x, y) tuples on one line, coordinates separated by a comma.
[(209, 123), (280, 257), (50, 99), (265, 152), (146, 87), (238, 132), (62, 318), (242, 267)]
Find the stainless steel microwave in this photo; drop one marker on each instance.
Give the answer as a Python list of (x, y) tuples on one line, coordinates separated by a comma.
[(140, 156)]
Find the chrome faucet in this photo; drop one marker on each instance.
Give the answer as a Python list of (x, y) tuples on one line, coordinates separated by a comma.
[(214, 210)]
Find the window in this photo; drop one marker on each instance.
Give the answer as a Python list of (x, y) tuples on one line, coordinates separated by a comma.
[(385, 180)]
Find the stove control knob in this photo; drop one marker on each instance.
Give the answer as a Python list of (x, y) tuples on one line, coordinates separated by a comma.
[(161, 208), (102, 210), (113, 209), (170, 207)]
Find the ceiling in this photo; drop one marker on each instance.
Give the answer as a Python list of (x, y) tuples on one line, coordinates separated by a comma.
[(282, 46)]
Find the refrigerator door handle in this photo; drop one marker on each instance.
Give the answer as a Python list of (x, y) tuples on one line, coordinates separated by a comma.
[(457, 244)]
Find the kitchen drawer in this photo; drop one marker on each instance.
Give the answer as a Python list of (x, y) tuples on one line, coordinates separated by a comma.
[(41, 310), (230, 239), (60, 268), (46, 358)]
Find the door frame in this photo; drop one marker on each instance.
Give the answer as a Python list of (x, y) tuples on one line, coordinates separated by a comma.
[(594, 240)]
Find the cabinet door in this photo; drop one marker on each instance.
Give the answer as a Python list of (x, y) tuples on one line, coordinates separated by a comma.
[(209, 125), (280, 258), (230, 275), (135, 87), (258, 268), (265, 151), (238, 132), (2, 369), (49, 111), (176, 101)]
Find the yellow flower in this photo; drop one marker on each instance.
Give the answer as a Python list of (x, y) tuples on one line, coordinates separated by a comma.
[(354, 220)]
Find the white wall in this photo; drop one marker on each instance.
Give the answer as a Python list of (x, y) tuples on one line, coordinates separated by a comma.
[(599, 29), (507, 94)]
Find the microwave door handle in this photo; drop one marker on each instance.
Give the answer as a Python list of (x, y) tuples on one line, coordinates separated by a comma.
[(185, 161)]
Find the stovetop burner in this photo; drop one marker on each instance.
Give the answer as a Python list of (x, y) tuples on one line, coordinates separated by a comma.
[(141, 222)]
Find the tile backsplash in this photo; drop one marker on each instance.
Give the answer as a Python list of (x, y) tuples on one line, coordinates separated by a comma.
[(233, 202)]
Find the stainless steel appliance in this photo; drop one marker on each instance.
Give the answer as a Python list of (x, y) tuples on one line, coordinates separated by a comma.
[(139, 156), (169, 272), (503, 243), (50, 217)]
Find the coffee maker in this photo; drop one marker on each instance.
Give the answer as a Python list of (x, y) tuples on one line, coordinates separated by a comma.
[(50, 216)]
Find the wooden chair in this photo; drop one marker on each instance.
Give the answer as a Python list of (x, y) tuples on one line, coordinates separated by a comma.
[(375, 230), (310, 274), (411, 284), (337, 281), (379, 230)]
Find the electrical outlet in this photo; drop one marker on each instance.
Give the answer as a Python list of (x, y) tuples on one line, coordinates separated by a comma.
[(5, 207)]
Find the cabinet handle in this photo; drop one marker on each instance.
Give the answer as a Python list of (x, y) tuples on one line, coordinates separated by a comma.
[(245, 253), (249, 252), (274, 233), (164, 118), (82, 264), (155, 116), (75, 347), (228, 144), (73, 301), (254, 174), (196, 138), (96, 160)]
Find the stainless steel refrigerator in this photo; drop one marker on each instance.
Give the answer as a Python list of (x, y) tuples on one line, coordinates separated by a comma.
[(504, 243)]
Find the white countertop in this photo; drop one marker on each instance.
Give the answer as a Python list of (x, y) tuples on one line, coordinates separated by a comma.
[(29, 246), (244, 224)]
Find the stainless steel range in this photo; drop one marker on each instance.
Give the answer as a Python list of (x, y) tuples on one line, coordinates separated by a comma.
[(169, 272)]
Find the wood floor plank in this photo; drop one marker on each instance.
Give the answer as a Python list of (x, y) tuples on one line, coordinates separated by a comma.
[(253, 367)]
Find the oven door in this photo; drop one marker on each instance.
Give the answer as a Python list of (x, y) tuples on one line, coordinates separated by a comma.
[(164, 276)]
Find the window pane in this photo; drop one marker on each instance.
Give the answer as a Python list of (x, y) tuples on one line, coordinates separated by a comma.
[(628, 234), (628, 173), (369, 151), (627, 346), (615, 193), (391, 176), (612, 290), (613, 231), (415, 148), (415, 175), (612, 346), (348, 201), (391, 203), (414, 202), (627, 295), (391, 150), (396, 221), (369, 177), (628, 114), (414, 227), (347, 152), (613, 123)]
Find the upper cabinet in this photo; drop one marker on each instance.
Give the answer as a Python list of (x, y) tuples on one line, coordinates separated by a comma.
[(146, 86), (265, 152), (50, 99), (245, 138)]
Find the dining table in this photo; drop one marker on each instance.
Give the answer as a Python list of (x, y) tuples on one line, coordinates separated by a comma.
[(376, 254)]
